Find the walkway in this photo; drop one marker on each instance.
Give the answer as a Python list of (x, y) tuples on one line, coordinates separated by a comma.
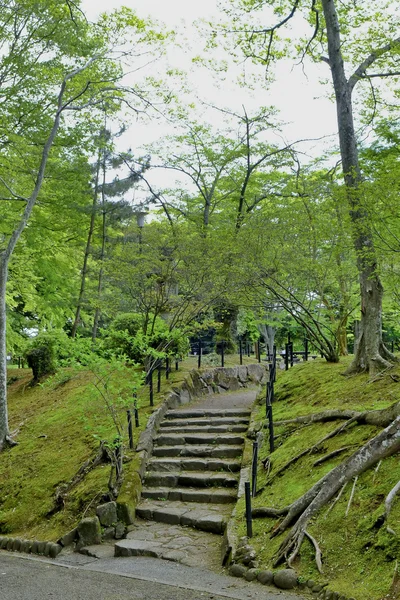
[(191, 484)]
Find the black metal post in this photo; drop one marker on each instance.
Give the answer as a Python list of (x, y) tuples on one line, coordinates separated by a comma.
[(130, 432), (258, 351), (274, 361), (270, 396), (222, 354), (118, 459), (240, 351), (291, 353), (159, 367), (135, 410), (199, 357), (306, 349), (392, 344), (167, 367), (176, 364), (254, 469), (287, 346), (249, 522), (150, 379)]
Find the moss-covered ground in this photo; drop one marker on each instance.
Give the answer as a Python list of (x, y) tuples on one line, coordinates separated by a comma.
[(58, 426), (360, 560)]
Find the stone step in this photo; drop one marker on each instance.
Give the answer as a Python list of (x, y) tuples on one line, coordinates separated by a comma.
[(168, 423), (198, 413), (210, 495), (199, 451), (198, 516), (175, 439), (205, 428), (190, 479), (193, 464)]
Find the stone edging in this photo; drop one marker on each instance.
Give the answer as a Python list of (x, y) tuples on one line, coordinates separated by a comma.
[(49, 549)]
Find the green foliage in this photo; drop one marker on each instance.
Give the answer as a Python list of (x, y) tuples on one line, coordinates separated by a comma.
[(41, 358), (247, 325), (126, 336), (110, 395)]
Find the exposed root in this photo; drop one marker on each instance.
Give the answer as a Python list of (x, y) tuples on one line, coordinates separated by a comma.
[(264, 511), (64, 489), (336, 500), (300, 512), (313, 448), (381, 418), (351, 495), (330, 455), (389, 502), (376, 470), (318, 553), (324, 417), (10, 442)]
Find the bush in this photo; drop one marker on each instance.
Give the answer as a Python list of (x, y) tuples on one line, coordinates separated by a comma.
[(49, 350), (41, 359), (126, 337)]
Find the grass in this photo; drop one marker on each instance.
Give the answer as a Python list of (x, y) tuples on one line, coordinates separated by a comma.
[(360, 560), (58, 426)]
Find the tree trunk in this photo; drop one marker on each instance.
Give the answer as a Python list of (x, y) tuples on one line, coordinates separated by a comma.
[(87, 252), (268, 332), (371, 354), (103, 250), (3, 355)]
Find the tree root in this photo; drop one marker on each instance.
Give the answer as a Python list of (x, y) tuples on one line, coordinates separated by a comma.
[(300, 512), (381, 418), (388, 506), (318, 553), (351, 496), (336, 500), (330, 455), (313, 448), (63, 490)]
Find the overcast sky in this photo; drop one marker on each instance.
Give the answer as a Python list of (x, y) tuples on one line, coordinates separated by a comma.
[(298, 97)]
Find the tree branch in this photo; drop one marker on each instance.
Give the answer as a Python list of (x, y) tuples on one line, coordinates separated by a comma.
[(360, 72)]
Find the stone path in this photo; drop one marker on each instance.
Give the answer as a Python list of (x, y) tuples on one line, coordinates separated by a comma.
[(191, 483)]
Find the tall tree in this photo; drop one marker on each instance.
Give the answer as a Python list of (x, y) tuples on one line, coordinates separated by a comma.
[(339, 29), (53, 63)]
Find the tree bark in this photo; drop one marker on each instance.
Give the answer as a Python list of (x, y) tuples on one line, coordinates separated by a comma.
[(87, 252), (371, 354), (103, 248), (4, 433)]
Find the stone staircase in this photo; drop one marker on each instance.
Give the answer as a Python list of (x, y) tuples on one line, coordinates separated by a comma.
[(192, 477)]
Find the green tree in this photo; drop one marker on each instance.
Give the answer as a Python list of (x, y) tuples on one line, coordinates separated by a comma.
[(340, 36), (54, 64)]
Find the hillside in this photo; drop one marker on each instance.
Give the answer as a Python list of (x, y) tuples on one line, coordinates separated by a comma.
[(59, 425), (360, 556)]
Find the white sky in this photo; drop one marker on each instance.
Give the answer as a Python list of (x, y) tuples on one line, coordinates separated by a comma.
[(299, 99)]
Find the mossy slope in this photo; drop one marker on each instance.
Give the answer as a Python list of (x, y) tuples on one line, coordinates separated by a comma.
[(359, 559)]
